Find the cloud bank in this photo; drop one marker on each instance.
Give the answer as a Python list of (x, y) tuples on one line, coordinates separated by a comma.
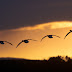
[(23, 13), (50, 25)]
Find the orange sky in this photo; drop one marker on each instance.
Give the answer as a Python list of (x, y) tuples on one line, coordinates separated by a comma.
[(36, 49)]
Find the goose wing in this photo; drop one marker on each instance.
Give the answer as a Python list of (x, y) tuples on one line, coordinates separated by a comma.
[(8, 42), (67, 34), (56, 36), (31, 39), (43, 37), (19, 44)]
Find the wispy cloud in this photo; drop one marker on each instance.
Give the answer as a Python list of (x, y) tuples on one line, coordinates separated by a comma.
[(50, 25)]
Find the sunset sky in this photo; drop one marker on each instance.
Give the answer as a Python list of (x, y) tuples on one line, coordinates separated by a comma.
[(29, 19)]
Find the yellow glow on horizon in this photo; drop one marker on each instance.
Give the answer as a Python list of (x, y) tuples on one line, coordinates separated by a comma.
[(61, 24), (37, 49)]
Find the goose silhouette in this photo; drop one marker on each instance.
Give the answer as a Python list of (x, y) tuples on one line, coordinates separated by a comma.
[(50, 36), (25, 41), (68, 33), (2, 42)]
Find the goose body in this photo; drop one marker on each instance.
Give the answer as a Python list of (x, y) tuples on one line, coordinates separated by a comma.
[(68, 34), (3, 42), (25, 41), (49, 36)]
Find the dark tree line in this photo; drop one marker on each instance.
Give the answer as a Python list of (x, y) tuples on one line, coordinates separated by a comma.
[(53, 63)]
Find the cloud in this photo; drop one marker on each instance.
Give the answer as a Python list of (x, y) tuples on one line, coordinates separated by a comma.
[(49, 25), (0, 33), (23, 13)]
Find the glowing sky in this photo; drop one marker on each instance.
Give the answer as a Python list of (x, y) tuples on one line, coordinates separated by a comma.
[(36, 49), (33, 19)]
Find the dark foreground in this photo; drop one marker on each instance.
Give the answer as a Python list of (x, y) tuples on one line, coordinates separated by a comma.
[(53, 64)]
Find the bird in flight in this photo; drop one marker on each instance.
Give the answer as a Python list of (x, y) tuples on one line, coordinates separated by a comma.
[(2, 42), (68, 33), (50, 36), (25, 41)]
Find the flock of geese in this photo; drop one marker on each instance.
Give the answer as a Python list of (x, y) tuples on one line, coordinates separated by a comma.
[(27, 40)]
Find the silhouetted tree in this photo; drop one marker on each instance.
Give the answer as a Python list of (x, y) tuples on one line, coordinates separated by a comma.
[(56, 60), (67, 58)]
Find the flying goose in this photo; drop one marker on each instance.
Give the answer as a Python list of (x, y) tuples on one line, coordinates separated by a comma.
[(50, 36), (25, 41), (2, 42), (68, 33)]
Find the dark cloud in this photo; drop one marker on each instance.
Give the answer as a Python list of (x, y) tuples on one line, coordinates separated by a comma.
[(19, 13)]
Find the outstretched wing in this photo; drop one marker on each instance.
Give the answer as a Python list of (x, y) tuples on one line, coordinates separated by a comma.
[(8, 42), (56, 36), (67, 34), (31, 39), (43, 37), (19, 44)]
